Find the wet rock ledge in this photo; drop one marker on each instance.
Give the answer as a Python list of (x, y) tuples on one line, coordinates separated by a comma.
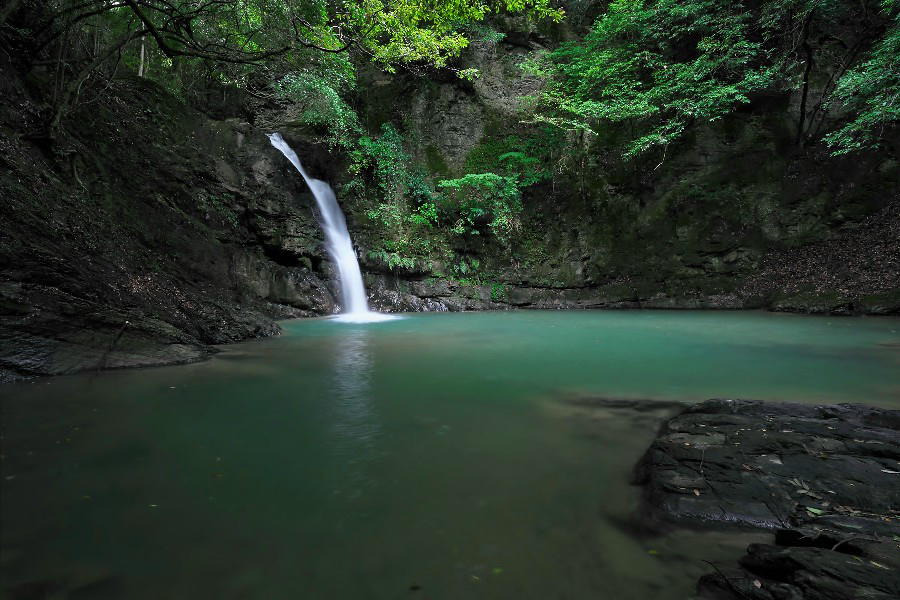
[(825, 479)]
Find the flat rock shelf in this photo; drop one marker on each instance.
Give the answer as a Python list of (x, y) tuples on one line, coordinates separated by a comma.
[(825, 478)]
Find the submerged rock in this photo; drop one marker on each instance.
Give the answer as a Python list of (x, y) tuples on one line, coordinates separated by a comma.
[(826, 478)]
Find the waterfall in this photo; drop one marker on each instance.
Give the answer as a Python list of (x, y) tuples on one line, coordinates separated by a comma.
[(337, 242)]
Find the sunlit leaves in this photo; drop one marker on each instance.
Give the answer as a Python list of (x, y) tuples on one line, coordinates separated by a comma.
[(430, 31), (662, 64)]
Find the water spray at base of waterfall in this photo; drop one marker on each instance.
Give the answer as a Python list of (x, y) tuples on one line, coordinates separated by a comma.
[(366, 317), (337, 243)]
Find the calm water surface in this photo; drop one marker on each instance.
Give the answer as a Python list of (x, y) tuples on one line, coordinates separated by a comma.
[(436, 456)]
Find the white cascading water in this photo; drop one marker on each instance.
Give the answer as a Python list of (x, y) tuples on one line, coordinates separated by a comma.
[(337, 242)]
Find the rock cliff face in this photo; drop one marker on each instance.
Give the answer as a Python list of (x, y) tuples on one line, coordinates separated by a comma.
[(147, 234), (149, 230), (736, 216)]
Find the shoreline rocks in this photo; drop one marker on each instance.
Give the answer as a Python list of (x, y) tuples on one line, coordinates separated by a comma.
[(825, 479)]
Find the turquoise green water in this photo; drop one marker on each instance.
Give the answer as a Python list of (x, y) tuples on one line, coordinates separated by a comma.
[(436, 456)]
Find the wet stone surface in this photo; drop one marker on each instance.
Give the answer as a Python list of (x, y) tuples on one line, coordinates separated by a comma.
[(825, 478)]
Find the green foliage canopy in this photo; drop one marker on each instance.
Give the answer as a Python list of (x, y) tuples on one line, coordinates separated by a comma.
[(389, 32), (234, 41), (661, 65), (631, 67), (871, 92)]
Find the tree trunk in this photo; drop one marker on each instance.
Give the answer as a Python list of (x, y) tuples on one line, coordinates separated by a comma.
[(809, 62)]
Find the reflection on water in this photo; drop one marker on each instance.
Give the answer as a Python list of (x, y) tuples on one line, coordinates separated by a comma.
[(356, 423)]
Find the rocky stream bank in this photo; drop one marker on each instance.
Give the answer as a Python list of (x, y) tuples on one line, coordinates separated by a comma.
[(824, 479)]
